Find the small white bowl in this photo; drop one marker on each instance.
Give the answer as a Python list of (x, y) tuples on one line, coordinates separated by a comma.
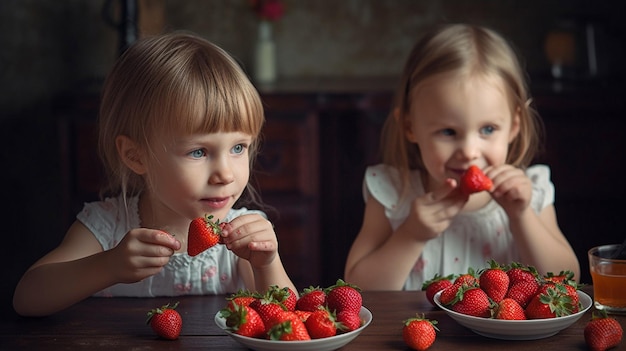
[(324, 344), (517, 330)]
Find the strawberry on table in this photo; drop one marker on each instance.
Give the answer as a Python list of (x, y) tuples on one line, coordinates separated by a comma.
[(435, 285), (321, 324), (474, 180), (449, 294), (565, 277), (419, 333), (472, 301), (550, 303), (165, 321), (494, 281), (348, 320), (509, 309), (523, 283), (470, 278), (241, 297), (602, 332), (203, 234), (344, 296), (268, 309), (287, 326), (243, 320), (284, 296), (311, 299)]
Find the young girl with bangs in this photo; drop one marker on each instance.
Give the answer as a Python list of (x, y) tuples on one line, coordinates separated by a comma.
[(462, 101), (179, 126)]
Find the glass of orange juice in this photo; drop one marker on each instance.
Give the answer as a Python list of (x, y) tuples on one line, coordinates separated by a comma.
[(609, 278)]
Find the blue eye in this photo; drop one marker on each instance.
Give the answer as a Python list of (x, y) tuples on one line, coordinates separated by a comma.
[(199, 153), (238, 149), (488, 130), (448, 132)]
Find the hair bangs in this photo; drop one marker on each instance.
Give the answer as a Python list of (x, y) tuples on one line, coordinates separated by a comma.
[(210, 100)]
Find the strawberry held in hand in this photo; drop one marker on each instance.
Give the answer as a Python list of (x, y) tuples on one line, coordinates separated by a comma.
[(474, 180), (203, 234), (165, 321)]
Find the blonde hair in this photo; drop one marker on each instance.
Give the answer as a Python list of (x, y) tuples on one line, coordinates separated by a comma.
[(460, 49), (176, 82)]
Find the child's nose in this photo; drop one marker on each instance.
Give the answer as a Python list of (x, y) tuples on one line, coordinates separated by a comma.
[(469, 149), (221, 172)]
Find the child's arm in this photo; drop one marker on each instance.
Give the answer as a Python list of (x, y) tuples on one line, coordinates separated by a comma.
[(539, 240), (79, 267), (380, 259), (252, 238)]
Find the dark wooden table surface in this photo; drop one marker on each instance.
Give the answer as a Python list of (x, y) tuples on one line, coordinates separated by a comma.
[(119, 324)]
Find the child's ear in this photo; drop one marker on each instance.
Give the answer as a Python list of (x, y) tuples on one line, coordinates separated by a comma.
[(405, 124), (515, 126), (131, 154)]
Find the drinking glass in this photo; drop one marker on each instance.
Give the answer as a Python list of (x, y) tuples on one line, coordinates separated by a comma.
[(609, 278)]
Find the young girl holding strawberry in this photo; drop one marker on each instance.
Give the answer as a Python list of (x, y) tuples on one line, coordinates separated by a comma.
[(462, 101), (178, 132)]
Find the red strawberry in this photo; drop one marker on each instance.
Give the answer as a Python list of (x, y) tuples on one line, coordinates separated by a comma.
[(348, 320), (304, 315), (321, 324), (472, 301), (468, 278), (494, 281), (267, 309), (509, 309), (602, 332), (243, 320), (433, 286), (523, 292), (569, 289), (419, 333), (344, 296), (549, 304), (288, 326), (242, 297), (165, 321), (562, 277), (311, 299), (203, 234), (474, 180), (287, 297), (449, 294), (523, 283), (522, 273)]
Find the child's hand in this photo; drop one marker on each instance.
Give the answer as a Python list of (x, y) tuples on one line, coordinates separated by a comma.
[(141, 254), (432, 213), (251, 237), (512, 189)]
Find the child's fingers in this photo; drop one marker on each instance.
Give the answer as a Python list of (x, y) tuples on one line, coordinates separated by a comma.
[(443, 191), (262, 246), (159, 238)]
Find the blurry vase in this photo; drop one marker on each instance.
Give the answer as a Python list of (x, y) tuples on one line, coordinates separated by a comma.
[(265, 55)]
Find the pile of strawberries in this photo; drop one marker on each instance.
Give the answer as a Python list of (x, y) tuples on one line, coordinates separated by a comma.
[(510, 292), (278, 314)]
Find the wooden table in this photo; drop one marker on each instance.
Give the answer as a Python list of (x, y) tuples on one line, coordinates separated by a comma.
[(119, 324)]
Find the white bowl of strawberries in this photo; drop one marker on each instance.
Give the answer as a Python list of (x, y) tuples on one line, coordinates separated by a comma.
[(316, 321), (529, 307)]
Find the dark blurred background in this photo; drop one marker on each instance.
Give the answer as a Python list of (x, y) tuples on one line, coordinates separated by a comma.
[(337, 66)]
